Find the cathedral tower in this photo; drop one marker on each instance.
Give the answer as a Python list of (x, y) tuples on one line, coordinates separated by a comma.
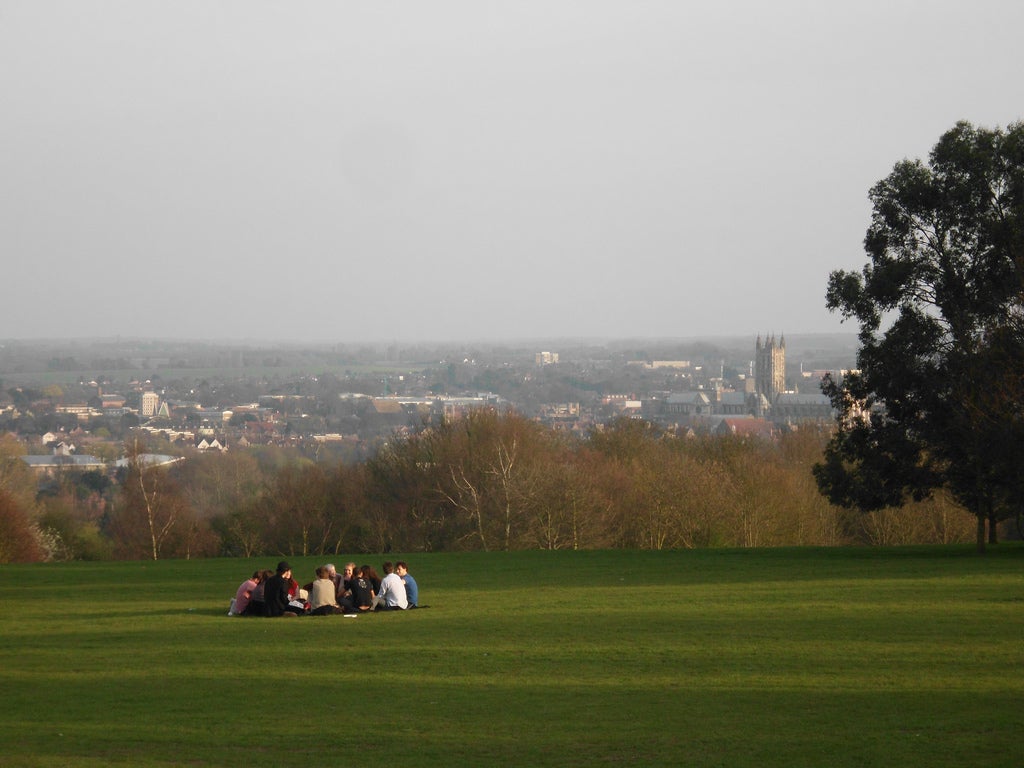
[(770, 367)]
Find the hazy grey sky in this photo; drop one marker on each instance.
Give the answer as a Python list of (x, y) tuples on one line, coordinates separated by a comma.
[(356, 171)]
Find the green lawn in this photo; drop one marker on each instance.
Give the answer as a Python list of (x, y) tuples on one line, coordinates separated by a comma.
[(794, 657)]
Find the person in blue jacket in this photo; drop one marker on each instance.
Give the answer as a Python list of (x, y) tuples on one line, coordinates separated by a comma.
[(412, 590)]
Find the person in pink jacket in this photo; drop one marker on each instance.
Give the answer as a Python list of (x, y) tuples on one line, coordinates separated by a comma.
[(244, 594)]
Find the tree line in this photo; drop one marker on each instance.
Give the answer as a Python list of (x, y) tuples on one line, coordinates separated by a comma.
[(489, 481)]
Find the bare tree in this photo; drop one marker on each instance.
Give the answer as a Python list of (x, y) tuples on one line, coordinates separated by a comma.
[(149, 495)]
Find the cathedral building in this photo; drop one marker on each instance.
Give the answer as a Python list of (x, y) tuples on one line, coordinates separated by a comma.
[(770, 368), (772, 400)]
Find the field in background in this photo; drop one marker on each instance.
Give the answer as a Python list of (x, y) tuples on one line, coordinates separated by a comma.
[(791, 657)]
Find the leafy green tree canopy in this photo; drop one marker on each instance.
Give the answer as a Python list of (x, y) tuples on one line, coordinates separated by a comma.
[(937, 400)]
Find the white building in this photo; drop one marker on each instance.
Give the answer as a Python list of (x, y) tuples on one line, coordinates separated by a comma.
[(150, 403)]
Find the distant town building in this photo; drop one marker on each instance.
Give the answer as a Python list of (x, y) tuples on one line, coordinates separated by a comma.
[(111, 400), (546, 358), (81, 411), (791, 407), (733, 403), (212, 444), (149, 404), (147, 460), (51, 465), (688, 404)]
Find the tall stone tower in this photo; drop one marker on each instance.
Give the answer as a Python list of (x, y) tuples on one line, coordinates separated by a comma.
[(770, 367)]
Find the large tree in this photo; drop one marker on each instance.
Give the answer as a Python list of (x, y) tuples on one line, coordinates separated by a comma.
[(937, 400)]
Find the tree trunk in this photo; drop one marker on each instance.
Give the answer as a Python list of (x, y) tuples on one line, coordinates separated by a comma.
[(981, 534), (149, 513)]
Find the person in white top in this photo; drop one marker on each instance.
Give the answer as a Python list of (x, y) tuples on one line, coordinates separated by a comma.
[(392, 595), (323, 599)]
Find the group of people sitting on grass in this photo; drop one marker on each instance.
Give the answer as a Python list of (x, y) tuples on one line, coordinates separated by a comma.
[(354, 591)]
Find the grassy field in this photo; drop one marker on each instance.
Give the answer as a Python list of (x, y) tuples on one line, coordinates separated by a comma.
[(795, 657)]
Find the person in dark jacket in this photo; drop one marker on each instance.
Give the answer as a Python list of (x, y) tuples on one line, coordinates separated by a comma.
[(362, 591), (275, 593)]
